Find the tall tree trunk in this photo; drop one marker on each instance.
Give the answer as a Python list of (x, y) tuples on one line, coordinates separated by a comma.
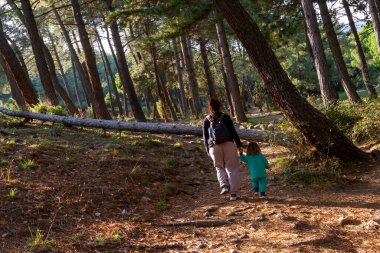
[(375, 22), (126, 110), (15, 90), (83, 75), (317, 129), (57, 87), (206, 66), (233, 85), (225, 81), (363, 63), (77, 93), (106, 74), (37, 47), (15, 68), (181, 85), (108, 65), (125, 76), (160, 89), (19, 56), (148, 109), (60, 67), (156, 115), (336, 51), (243, 94), (309, 49), (193, 83), (328, 92), (98, 103)]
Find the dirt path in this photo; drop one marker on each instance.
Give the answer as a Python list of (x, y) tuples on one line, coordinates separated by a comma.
[(93, 193)]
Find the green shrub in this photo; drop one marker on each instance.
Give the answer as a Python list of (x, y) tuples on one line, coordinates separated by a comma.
[(58, 110), (40, 108)]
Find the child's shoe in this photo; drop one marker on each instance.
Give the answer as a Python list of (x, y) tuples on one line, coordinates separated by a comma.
[(225, 190), (255, 191), (263, 195), (233, 197)]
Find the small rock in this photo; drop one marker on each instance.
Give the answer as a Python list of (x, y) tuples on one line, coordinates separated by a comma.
[(271, 127), (373, 224), (235, 214), (261, 217), (207, 214), (212, 209), (214, 246), (301, 186), (233, 251), (262, 127), (244, 236), (145, 199), (97, 214), (236, 240), (257, 126), (202, 246), (4, 235)]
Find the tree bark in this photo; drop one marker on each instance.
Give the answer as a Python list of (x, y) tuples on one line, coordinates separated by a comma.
[(206, 66), (71, 109), (318, 130), (19, 56), (37, 48), (328, 92), (375, 22), (108, 65), (156, 115), (160, 128), (60, 67), (363, 63), (76, 85), (309, 49), (124, 74), (181, 86), (83, 75), (336, 51), (15, 90), (225, 81), (98, 103), (193, 83), (233, 85), (15, 68), (106, 74)]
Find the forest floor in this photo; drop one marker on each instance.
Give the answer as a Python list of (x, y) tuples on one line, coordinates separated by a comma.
[(83, 191)]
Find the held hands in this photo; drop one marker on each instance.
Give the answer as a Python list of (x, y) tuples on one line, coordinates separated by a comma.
[(240, 150)]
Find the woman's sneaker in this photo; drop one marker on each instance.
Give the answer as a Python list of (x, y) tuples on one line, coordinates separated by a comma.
[(233, 197), (225, 190)]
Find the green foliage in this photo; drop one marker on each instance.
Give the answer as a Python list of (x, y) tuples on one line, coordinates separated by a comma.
[(40, 108), (171, 164), (58, 110), (3, 163), (162, 204), (38, 242), (28, 164), (11, 195), (343, 114)]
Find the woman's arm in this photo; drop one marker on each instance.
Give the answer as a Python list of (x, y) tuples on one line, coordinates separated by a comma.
[(232, 130), (206, 125)]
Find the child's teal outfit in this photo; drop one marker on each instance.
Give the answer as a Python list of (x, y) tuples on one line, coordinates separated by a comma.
[(256, 166)]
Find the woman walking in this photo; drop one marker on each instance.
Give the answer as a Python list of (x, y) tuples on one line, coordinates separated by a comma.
[(222, 143)]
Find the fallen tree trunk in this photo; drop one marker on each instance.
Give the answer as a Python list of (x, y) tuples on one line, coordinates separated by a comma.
[(150, 127)]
